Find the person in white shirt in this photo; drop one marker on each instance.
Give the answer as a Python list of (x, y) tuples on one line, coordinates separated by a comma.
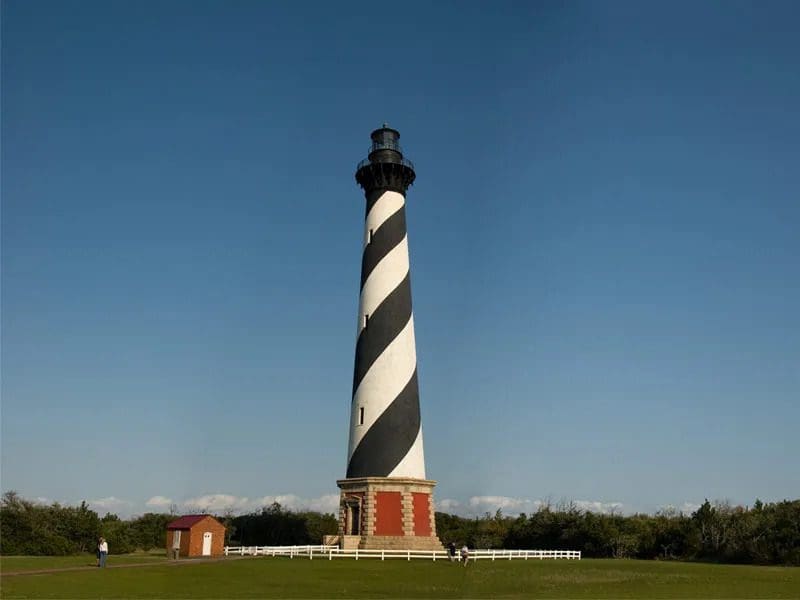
[(464, 555), (103, 552)]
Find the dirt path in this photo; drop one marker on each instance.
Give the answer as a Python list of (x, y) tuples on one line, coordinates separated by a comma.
[(169, 563)]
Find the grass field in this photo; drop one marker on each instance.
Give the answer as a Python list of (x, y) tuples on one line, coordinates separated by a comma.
[(300, 578), (33, 563)]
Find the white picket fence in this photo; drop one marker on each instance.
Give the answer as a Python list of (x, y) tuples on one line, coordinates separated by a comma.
[(276, 550), (331, 552)]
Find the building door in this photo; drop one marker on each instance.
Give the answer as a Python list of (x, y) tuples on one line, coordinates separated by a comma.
[(352, 515), (207, 543), (355, 520), (176, 544)]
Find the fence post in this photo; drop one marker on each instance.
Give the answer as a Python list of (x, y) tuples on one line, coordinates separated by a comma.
[(356, 553), (409, 555), (493, 553)]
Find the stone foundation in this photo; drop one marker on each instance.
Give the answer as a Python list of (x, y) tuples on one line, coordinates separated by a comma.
[(390, 542), (388, 513), (349, 542)]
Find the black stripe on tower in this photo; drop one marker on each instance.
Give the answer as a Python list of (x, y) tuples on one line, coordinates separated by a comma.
[(390, 437), (384, 240), (385, 323)]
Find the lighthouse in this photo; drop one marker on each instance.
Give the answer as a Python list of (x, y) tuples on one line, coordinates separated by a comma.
[(386, 500)]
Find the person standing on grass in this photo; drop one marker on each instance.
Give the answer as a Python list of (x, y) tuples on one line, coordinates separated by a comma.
[(451, 551), (97, 550), (103, 550), (464, 555)]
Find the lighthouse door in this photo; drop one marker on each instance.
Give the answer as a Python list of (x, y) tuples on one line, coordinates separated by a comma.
[(352, 516), (355, 520), (207, 543)]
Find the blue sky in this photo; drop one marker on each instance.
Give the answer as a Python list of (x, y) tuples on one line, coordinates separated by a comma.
[(604, 248)]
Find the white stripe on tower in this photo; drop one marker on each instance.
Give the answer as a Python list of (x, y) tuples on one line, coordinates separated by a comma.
[(385, 427), (387, 204), (409, 466), (384, 381), (388, 274)]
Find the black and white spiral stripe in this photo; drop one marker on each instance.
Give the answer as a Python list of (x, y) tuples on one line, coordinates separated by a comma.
[(385, 427)]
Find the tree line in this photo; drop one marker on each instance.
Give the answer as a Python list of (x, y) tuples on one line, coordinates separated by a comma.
[(762, 534), (35, 529), (29, 528)]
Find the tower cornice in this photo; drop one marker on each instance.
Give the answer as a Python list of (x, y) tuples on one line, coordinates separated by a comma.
[(354, 481), (392, 176)]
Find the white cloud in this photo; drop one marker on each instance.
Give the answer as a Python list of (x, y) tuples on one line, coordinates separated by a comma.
[(511, 506), (474, 506), (689, 507), (448, 505), (596, 506), (289, 501), (159, 502), (218, 503), (328, 503), (241, 504), (110, 503), (507, 504), (42, 500)]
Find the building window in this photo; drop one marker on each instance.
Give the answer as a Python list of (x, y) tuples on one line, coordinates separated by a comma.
[(361, 415)]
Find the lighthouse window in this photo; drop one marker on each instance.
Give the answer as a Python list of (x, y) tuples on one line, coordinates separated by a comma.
[(361, 415), (369, 237), (366, 321)]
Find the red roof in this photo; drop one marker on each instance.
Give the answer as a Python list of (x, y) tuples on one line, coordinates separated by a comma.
[(186, 521)]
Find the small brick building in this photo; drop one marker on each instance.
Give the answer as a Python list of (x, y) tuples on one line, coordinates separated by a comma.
[(195, 535)]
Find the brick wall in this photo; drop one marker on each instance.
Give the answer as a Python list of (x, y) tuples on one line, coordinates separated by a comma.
[(388, 513), (422, 513)]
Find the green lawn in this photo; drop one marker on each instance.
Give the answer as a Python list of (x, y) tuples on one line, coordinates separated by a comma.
[(346, 578), (33, 563)]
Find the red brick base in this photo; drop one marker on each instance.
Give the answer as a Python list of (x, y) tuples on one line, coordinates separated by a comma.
[(388, 513)]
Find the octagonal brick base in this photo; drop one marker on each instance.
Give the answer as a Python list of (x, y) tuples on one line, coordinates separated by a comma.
[(387, 513)]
